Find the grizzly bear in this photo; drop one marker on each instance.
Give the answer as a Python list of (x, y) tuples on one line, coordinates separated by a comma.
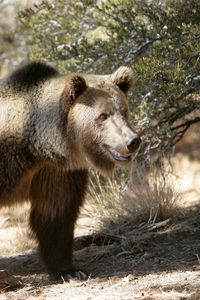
[(53, 129)]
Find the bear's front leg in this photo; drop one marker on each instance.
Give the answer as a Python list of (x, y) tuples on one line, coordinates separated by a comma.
[(53, 217), (55, 239)]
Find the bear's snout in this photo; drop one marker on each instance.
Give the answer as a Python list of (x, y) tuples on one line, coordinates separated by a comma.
[(134, 143)]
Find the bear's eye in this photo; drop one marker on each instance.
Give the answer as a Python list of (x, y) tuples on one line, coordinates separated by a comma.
[(124, 113), (103, 116)]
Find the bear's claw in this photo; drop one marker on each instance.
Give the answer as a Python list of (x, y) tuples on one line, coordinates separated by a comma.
[(66, 276), (77, 274)]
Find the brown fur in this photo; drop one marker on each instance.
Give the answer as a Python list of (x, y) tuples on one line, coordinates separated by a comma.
[(53, 128)]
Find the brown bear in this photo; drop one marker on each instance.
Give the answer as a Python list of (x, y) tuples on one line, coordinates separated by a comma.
[(53, 128)]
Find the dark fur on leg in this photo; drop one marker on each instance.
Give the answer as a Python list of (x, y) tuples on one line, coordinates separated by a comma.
[(55, 231)]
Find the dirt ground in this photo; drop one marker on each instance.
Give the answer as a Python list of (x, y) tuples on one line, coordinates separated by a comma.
[(153, 265)]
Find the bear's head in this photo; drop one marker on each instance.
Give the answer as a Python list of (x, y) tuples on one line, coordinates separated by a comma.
[(98, 119)]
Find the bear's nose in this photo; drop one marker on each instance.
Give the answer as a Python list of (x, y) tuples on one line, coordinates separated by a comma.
[(134, 143)]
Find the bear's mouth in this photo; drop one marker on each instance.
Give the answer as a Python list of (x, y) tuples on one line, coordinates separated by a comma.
[(118, 156)]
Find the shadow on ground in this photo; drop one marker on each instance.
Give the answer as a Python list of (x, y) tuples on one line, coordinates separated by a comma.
[(175, 247)]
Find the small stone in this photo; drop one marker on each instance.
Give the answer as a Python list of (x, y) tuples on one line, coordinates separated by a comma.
[(8, 281), (128, 278), (101, 287), (147, 255), (157, 260), (195, 295)]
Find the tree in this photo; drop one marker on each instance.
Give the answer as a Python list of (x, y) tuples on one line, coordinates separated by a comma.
[(160, 40)]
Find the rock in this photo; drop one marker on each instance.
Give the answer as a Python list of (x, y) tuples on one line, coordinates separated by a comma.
[(8, 281)]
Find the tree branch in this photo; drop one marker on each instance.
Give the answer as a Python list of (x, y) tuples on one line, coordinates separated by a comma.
[(182, 128), (188, 122)]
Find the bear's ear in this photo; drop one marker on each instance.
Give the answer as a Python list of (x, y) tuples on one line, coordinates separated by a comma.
[(123, 78), (75, 85)]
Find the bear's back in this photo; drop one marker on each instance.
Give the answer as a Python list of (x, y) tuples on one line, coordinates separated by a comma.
[(30, 75)]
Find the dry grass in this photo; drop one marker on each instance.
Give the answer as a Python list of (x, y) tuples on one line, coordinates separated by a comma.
[(14, 230), (147, 197), (17, 214), (21, 242)]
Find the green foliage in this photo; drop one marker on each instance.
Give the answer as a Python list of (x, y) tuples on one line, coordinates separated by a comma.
[(160, 40)]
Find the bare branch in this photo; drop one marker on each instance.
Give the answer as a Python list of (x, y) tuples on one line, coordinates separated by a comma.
[(182, 128), (187, 123)]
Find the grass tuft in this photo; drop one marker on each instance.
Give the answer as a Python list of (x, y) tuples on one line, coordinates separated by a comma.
[(147, 197)]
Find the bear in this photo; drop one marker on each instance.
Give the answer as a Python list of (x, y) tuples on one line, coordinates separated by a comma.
[(53, 129)]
